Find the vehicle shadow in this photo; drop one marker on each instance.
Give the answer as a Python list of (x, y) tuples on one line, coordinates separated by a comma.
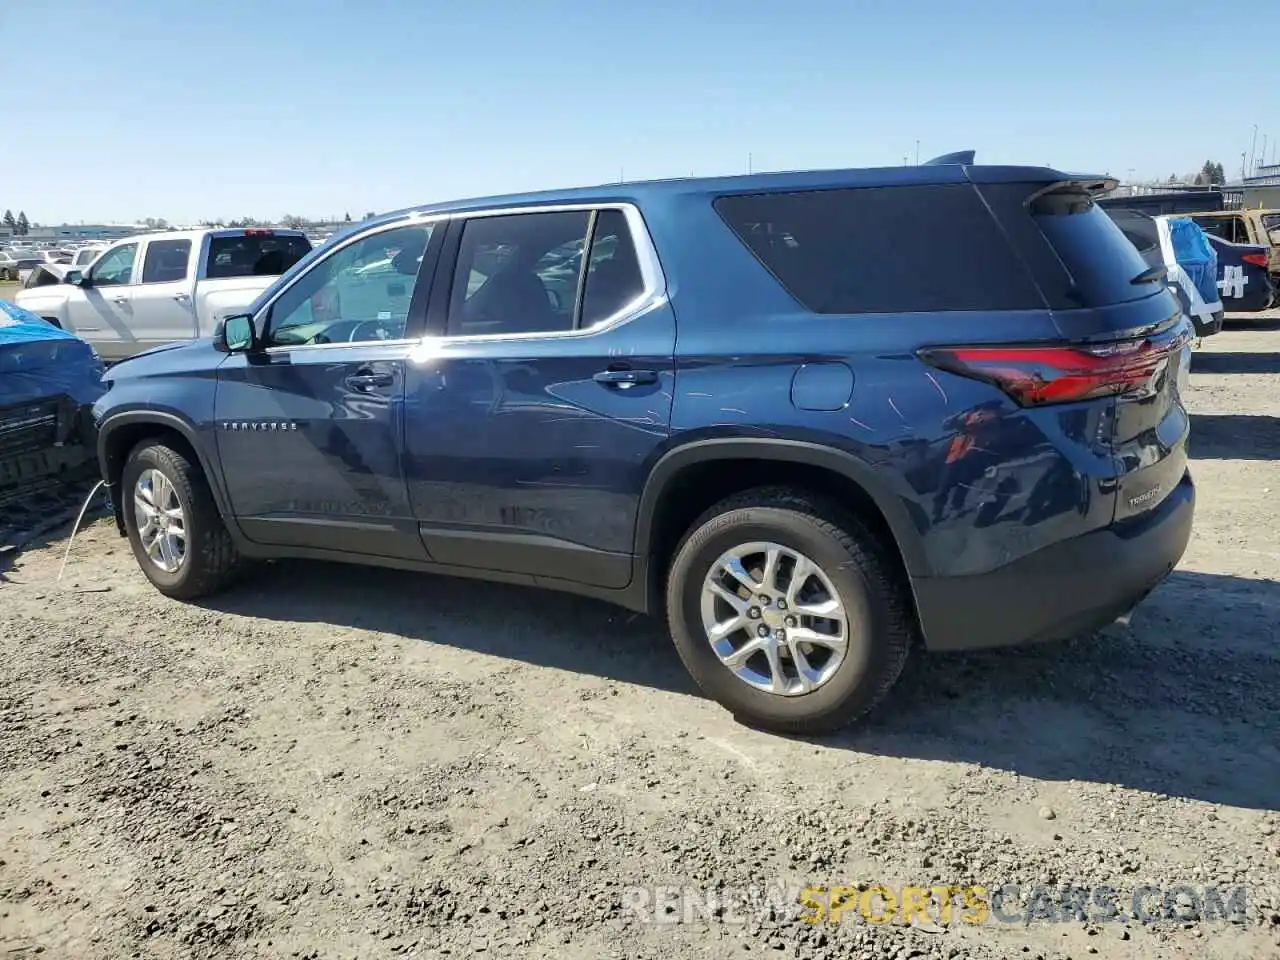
[(1235, 362), (1182, 703), (1234, 436), (1244, 322)]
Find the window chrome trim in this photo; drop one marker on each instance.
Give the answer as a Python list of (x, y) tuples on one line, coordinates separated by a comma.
[(653, 295), (412, 219)]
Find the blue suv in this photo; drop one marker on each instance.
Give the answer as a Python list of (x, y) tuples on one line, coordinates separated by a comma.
[(809, 418)]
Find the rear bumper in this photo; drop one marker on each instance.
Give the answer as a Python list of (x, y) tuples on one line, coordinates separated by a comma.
[(1068, 589)]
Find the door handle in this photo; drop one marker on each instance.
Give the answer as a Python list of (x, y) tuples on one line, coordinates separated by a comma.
[(369, 380), (625, 377), (180, 297), (120, 301)]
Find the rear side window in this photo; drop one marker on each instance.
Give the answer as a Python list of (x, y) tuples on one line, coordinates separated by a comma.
[(166, 261), (1077, 254), (883, 249), (254, 255)]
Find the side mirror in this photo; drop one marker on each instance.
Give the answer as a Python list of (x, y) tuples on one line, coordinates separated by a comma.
[(235, 334), (75, 278)]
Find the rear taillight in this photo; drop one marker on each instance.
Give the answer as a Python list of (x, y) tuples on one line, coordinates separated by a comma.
[(1257, 259), (1037, 375), (259, 233)]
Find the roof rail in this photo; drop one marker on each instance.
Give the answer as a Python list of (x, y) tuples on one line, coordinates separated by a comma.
[(962, 157)]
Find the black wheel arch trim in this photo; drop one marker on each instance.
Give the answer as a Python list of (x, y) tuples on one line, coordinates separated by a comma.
[(668, 466), (170, 421)]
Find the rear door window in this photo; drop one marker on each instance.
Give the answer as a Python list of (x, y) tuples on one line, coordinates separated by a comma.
[(883, 249), (166, 261), (613, 279), (518, 274), (264, 254)]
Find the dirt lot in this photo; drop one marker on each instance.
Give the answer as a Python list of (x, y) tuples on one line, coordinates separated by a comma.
[(8, 290), (332, 762)]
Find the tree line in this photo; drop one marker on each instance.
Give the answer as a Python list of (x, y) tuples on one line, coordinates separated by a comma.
[(19, 225), (291, 221)]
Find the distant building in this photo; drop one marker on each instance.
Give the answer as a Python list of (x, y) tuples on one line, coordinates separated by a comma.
[(84, 231), (1264, 175), (1262, 187)]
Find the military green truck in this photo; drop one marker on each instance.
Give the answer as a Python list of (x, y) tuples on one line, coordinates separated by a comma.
[(1261, 227)]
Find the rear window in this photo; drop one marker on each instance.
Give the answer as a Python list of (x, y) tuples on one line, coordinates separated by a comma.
[(883, 249), (1138, 229), (254, 255), (1077, 254)]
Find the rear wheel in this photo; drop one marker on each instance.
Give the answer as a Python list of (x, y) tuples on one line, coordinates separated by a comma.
[(173, 524), (788, 612)]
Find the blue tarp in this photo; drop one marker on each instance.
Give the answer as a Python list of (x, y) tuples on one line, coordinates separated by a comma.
[(39, 361), (1194, 254)]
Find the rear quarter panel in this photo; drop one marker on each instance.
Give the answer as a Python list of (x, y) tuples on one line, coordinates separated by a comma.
[(953, 453)]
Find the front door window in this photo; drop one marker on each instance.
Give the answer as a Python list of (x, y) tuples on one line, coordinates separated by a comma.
[(360, 293)]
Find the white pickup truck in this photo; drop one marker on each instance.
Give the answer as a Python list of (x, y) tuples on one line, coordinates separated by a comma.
[(160, 288)]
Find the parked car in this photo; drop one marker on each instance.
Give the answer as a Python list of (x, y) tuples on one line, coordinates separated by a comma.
[(48, 383), (160, 288), (838, 453), (25, 263), (1190, 264), (84, 256), (1244, 282), (1260, 227), (8, 266)]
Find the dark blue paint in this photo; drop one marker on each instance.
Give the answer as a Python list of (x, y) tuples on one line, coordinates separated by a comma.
[(822, 386), (476, 441)]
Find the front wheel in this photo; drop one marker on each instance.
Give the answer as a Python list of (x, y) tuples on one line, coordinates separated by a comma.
[(173, 524), (788, 612)]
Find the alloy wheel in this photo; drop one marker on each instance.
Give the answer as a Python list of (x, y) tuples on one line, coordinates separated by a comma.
[(774, 618), (162, 525)]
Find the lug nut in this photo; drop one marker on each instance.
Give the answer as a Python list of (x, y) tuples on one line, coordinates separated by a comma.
[(782, 604), (779, 635), (764, 600), (762, 631), (753, 613), (791, 621)]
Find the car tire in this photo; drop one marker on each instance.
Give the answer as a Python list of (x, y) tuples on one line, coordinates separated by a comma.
[(852, 566), (208, 560)]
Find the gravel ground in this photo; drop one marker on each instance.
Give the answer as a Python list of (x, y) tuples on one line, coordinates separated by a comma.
[(9, 290), (335, 762)]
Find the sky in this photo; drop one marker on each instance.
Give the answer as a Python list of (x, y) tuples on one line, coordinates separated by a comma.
[(188, 110)]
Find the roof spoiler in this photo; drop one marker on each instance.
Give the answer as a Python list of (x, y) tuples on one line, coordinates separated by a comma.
[(963, 157)]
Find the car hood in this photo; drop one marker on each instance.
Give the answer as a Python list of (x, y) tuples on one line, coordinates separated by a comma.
[(181, 357)]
